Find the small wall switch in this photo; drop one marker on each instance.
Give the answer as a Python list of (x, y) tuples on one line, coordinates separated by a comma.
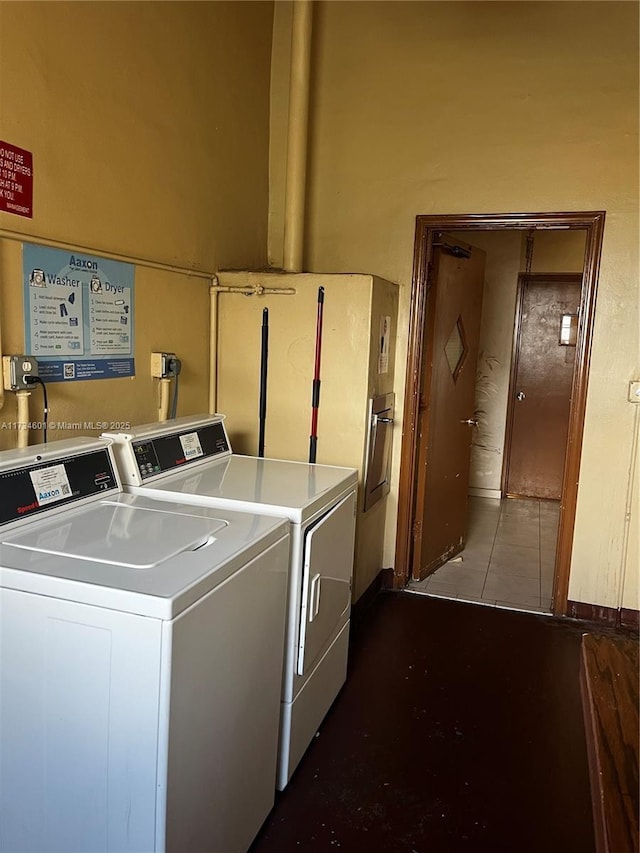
[(15, 368), (634, 391)]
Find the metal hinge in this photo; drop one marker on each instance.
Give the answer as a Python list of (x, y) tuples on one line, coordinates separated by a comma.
[(417, 528)]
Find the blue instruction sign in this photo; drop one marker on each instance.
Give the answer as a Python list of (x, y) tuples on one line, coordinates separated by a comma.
[(78, 312)]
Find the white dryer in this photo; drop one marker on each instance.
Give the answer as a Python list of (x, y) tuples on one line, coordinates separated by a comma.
[(141, 650), (190, 459)]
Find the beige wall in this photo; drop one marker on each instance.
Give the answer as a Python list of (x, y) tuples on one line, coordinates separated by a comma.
[(292, 333), (424, 108), (148, 124), (555, 251)]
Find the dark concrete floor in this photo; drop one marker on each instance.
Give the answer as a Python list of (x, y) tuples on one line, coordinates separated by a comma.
[(459, 729)]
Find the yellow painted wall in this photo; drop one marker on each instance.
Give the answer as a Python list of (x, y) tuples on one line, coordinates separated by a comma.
[(292, 332), (148, 124), (439, 107)]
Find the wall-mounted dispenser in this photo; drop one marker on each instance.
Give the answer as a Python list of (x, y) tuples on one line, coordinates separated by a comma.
[(378, 466)]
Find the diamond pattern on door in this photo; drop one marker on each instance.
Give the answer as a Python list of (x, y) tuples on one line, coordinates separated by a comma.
[(456, 348)]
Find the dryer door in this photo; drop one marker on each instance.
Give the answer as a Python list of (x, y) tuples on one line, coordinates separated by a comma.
[(326, 588)]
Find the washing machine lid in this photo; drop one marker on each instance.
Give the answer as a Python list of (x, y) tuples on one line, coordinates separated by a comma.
[(118, 534), (293, 490), (134, 554)]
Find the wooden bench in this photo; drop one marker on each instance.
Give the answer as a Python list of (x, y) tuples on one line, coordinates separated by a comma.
[(609, 684)]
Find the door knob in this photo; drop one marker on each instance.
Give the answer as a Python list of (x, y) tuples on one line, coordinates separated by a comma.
[(470, 421), (520, 396)]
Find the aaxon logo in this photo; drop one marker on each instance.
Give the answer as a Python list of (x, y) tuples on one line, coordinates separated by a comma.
[(52, 493)]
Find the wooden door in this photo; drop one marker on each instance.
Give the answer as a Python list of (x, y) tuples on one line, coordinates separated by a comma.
[(447, 401), (541, 384)]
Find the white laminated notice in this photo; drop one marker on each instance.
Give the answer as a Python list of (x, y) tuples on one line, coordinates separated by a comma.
[(50, 484), (191, 445), (383, 349)]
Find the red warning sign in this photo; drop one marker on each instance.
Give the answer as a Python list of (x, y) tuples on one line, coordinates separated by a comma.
[(16, 180)]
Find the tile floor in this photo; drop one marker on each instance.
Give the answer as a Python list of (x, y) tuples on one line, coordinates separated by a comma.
[(509, 558)]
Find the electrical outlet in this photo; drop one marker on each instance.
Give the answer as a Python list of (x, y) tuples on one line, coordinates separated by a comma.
[(634, 392), (174, 365), (161, 364), (15, 368)]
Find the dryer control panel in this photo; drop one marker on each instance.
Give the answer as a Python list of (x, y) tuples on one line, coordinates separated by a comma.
[(147, 452), (35, 488)]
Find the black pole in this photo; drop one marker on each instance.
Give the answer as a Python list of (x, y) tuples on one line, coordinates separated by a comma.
[(315, 394), (264, 358)]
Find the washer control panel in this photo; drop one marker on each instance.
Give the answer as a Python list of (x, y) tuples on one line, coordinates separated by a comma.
[(33, 489)]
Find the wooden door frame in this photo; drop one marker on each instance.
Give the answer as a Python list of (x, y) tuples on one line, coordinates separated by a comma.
[(593, 223), (523, 279)]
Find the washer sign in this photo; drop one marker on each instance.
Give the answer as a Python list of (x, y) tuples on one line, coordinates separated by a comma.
[(79, 320)]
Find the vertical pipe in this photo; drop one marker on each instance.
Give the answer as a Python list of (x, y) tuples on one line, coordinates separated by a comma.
[(213, 344), (296, 172), (163, 407), (23, 417)]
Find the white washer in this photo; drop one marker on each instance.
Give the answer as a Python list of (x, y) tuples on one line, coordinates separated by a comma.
[(141, 650), (190, 459)]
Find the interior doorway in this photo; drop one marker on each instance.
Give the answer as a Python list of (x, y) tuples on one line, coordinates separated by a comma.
[(412, 462)]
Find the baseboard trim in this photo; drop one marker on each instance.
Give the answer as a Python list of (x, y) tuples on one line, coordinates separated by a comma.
[(476, 492), (371, 592), (630, 618), (623, 617)]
